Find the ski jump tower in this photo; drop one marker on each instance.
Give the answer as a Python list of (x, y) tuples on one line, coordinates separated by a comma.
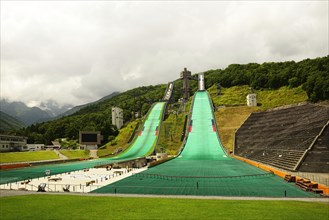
[(185, 75), (201, 82)]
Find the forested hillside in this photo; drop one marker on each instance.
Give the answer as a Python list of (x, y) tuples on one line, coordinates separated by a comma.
[(9, 123), (311, 75)]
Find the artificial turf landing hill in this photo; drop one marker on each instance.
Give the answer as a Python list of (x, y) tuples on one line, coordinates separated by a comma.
[(203, 168)]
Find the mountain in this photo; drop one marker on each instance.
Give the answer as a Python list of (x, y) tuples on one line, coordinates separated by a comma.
[(47, 110), (53, 108), (22, 112), (8, 123), (77, 108)]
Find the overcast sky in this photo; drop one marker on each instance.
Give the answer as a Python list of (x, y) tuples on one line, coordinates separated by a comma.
[(77, 52)]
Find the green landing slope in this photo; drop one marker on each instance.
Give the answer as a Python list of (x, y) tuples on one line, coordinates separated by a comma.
[(203, 142), (203, 168), (145, 142), (141, 147)]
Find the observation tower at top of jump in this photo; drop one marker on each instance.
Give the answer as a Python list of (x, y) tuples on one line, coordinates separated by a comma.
[(201, 82)]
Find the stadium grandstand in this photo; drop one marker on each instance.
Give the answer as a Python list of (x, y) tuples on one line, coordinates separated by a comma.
[(294, 138)]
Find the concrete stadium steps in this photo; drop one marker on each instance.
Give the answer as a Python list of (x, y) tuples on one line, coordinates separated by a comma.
[(318, 157), (285, 159), (290, 129)]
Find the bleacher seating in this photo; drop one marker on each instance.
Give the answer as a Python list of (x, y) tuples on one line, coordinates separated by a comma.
[(318, 158), (280, 137)]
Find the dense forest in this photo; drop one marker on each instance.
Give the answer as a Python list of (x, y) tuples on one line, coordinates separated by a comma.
[(311, 74)]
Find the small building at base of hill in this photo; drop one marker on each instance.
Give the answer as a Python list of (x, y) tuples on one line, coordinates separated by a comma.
[(251, 100), (33, 147), (89, 140), (12, 143)]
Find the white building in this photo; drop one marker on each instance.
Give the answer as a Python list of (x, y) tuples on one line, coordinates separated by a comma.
[(12, 143), (117, 117), (251, 100), (33, 147)]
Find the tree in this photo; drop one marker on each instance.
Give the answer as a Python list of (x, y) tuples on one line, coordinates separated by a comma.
[(294, 82)]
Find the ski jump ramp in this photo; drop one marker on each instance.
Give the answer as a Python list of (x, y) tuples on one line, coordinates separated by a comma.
[(203, 168), (141, 147)]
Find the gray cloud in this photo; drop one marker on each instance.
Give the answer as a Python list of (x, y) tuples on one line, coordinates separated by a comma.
[(77, 52)]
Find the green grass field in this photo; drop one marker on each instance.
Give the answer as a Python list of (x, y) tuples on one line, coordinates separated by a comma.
[(72, 154), (27, 156), (91, 207)]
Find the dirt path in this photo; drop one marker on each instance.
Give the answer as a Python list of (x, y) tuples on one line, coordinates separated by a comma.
[(93, 154), (61, 156)]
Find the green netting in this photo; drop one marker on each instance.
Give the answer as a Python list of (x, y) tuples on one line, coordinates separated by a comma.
[(141, 147), (203, 168)]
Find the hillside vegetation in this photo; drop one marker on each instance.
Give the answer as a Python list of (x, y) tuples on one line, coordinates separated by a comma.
[(266, 98), (231, 112), (120, 142), (304, 80), (96, 117), (9, 123), (172, 128), (311, 74)]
